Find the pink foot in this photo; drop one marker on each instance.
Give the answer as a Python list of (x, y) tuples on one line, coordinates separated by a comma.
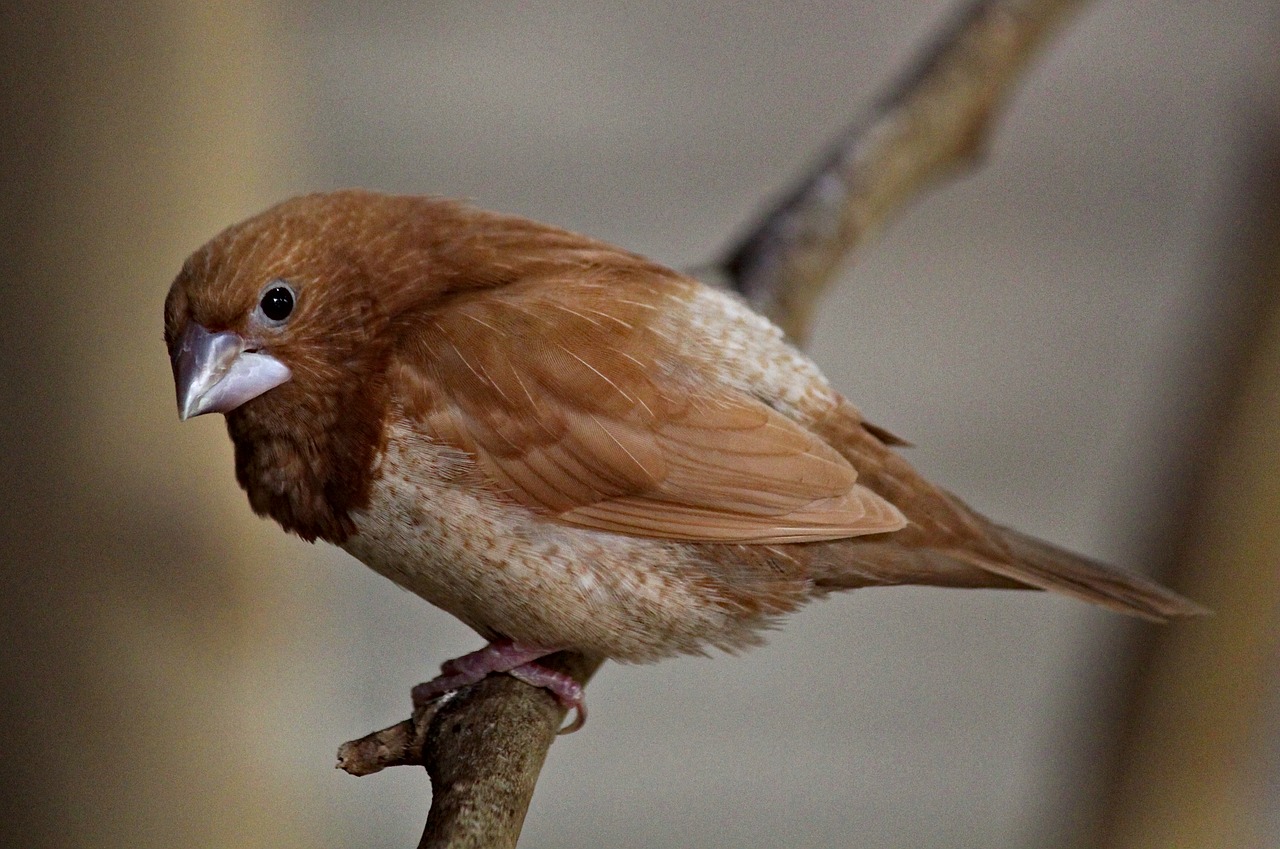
[(517, 661), (567, 691)]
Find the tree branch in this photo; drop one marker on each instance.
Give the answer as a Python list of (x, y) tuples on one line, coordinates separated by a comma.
[(484, 746), (933, 123)]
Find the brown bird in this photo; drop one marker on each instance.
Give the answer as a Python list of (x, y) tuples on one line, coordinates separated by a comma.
[(563, 444)]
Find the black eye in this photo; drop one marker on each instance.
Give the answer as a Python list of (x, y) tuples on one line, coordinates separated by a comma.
[(277, 303)]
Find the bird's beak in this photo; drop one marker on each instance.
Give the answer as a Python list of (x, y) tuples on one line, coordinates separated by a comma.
[(214, 373)]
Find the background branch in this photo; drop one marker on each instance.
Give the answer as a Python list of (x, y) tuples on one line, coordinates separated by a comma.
[(933, 123), (485, 746)]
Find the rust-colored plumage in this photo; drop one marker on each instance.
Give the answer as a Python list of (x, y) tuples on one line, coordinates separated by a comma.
[(563, 444)]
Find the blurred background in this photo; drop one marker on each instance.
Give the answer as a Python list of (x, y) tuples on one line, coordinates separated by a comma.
[(1082, 339)]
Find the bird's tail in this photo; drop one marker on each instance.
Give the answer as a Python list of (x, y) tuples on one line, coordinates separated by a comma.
[(1039, 564), (1024, 563)]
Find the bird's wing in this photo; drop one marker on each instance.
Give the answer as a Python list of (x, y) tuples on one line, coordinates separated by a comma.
[(561, 394)]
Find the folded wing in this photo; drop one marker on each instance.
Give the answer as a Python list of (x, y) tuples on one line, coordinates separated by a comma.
[(561, 394)]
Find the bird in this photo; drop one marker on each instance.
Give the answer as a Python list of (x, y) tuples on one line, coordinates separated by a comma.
[(562, 443)]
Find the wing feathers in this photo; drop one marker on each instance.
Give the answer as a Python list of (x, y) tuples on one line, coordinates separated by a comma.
[(578, 419), (858, 512)]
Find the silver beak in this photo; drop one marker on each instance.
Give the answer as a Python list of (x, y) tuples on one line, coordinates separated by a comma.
[(213, 372)]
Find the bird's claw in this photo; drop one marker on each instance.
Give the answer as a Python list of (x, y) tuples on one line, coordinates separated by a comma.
[(567, 691), (515, 660)]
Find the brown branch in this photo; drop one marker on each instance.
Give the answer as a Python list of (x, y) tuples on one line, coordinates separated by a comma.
[(933, 123), (484, 746)]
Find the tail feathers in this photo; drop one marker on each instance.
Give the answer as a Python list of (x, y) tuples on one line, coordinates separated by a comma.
[(1039, 564)]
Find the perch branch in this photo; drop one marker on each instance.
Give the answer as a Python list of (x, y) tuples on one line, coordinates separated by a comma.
[(935, 122), (484, 746)]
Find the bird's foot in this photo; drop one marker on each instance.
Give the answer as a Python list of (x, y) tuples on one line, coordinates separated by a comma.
[(516, 660), (567, 691)]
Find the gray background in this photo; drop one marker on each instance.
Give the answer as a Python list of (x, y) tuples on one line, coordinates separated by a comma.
[(1038, 330)]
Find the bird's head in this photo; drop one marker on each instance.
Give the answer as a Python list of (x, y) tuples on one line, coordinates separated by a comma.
[(282, 322), (289, 300)]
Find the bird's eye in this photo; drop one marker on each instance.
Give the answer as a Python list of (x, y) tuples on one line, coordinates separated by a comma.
[(277, 302)]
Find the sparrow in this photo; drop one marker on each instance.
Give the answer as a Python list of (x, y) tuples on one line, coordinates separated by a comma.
[(564, 444)]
